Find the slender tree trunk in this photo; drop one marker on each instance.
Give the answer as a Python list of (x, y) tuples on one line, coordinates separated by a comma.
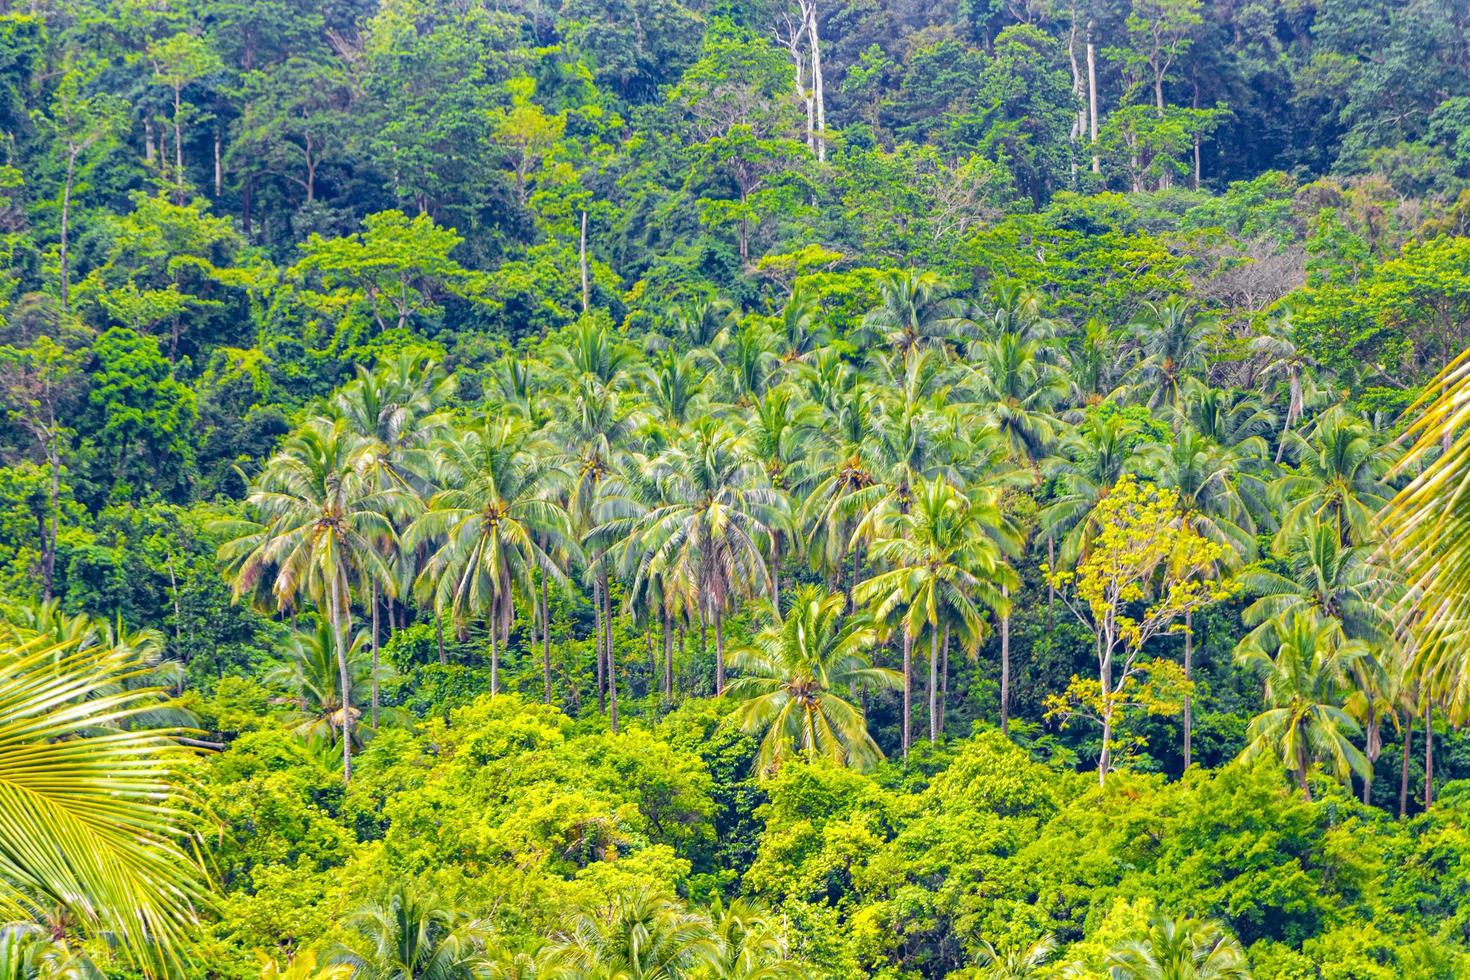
[(63, 255), (776, 569), (703, 639), (53, 501), (1092, 97), (908, 688), (439, 635), (586, 283), (178, 145), (1005, 667), (1079, 120), (933, 683), (219, 171), (607, 643), (545, 640), (494, 654), (944, 677), (339, 636), (719, 653), (612, 691), (375, 656), (1428, 754), (1404, 765), (818, 94), (1301, 769), (668, 640), (1105, 757), (1188, 666), (597, 631)]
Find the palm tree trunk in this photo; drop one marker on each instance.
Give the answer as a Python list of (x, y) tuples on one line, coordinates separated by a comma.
[(933, 683), (375, 657), (494, 654), (439, 633), (908, 687), (719, 653), (545, 640), (668, 639), (607, 628), (944, 677), (597, 632), (1301, 769), (1404, 766), (338, 616), (1188, 664), (1005, 667), (1428, 754)]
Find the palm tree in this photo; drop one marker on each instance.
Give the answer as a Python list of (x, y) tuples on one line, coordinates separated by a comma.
[(750, 944), (675, 384), (1344, 583), (590, 347), (713, 508), (791, 678), (799, 331), (1340, 480), (1175, 345), (492, 528), (1306, 669), (636, 935), (1285, 361), (396, 410), (409, 934), (1180, 950), (95, 811), (914, 312), (1090, 460), (1017, 962), (944, 569), (323, 521), (311, 676), (1018, 393), (29, 952)]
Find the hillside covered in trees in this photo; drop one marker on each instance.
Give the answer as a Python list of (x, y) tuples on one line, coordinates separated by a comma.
[(663, 489)]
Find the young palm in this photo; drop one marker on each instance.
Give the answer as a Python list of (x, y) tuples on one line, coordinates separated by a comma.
[(1340, 481), (1175, 344), (1340, 582), (636, 935), (411, 935), (914, 313), (322, 521), (1307, 668), (1089, 461), (791, 679), (1018, 962), (310, 675), (95, 812), (1018, 392), (943, 567), (1180, 950), (1284, 361), (492, 528)]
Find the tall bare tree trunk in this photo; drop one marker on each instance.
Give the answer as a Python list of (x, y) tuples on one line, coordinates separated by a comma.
[(818, 94), (439, 635), (219, 170), (944, 677), (494, 654), (375, 656), (545, 640), (1404, 765), (1428, 754), (908, 688), (1005, 665), (1092, 97), (668, 640), (586, 283), (62, 254), (719, 653), (1188, 702), (933, 684), (597, 632), (339, 615)]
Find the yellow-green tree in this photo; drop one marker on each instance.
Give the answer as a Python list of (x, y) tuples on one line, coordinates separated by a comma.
[(1146, 569)]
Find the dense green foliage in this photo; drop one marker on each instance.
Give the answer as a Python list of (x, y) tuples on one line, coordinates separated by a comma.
[(685, 489)]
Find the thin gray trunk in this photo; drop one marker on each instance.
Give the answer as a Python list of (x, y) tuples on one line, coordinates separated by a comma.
[(597, 632), (71, 168), (1092, 97), (375, 656), (817, 86), (494, 654), (908, 688), (1404, 765), (1005, 669), (719, 653), (586, 283), (545, 640), (933, 684), (1188, 666), (944, 677), (339, 636), (1428, 754)]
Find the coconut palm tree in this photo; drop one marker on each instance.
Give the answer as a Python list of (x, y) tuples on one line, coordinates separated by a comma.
[(1017, 962), (29, 952), (409, 934), (1307, 669), (1180, 950), (96, 815), (1018, 393), (492, 528), (636, 935), (1087, 463), (1284, 361), (1175, 343), (942, 568), (791, 680), (1340, 480), (799, 332), (322, 521), (712, 509), (750, 944), (914, 312), (310, 675), (1344, 583)]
